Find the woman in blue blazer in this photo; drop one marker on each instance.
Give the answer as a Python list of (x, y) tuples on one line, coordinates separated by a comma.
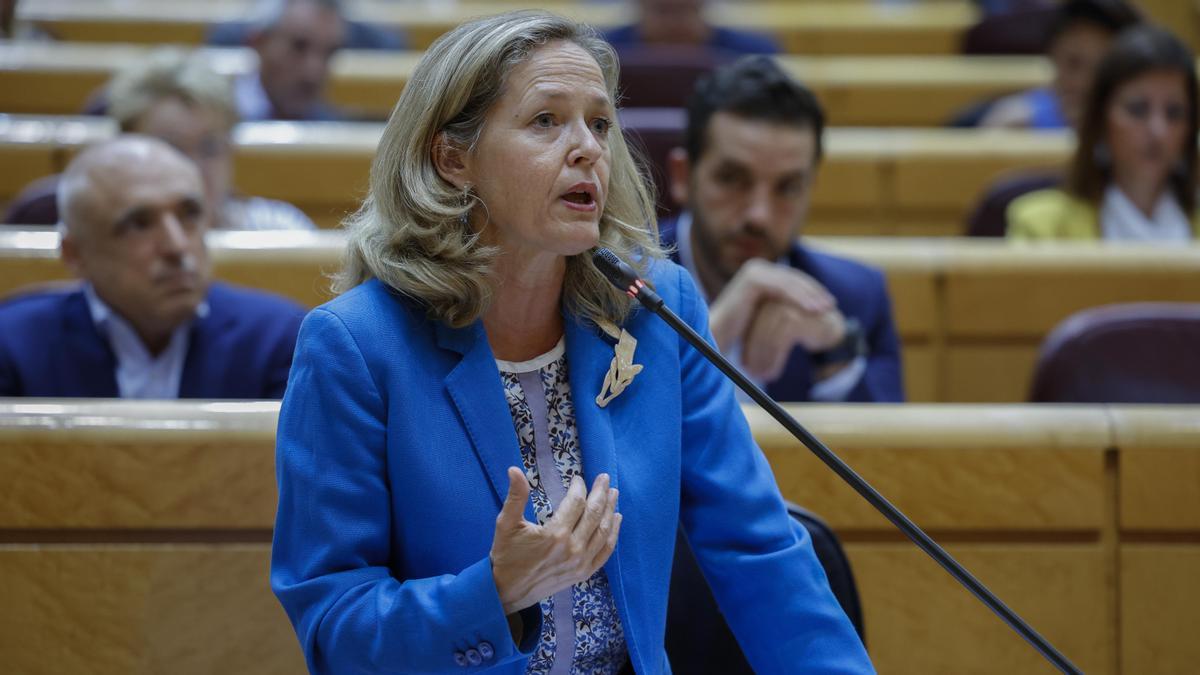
[(446, 414)]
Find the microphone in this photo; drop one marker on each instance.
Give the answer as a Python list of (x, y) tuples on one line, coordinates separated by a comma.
[(624, 277)]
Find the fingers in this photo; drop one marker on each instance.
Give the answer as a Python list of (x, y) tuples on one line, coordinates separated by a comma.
[(788, 284), (608, 545), (770, 340), (512, 513), (570, 509), (604, 528)]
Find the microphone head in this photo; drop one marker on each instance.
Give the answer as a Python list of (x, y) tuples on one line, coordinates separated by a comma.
[(617, 272)]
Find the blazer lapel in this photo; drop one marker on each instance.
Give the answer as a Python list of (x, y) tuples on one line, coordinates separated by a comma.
[(87, 366), (204, 366), (588, 359), (474, 387)]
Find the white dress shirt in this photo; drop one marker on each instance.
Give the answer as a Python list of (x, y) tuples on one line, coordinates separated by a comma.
[(836, 387), (139, 373), (1121, 220)]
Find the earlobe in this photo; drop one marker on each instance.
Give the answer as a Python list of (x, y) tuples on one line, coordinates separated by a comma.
[(450, 162), (69, 253), (679, 172)]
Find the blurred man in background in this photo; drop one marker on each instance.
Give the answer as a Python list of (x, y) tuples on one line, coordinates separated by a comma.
[(147, 321), (805, 324)]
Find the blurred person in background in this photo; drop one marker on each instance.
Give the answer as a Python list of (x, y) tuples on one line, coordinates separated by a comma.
[(147, 322), (1078, 37), (681, 23), (807, 325), (180, 99), (1133, 175), (295, 41)]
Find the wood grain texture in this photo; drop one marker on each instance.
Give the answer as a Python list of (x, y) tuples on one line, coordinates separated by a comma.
[(1160, 608), (990, 370), (1016, 469), (919, 621), (901, 91), (110, 609), (1160, 468), (809, 27), (111, 465)]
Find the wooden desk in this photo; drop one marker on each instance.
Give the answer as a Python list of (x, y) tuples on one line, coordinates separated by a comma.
[(872, 182), (135, 535), (50, 78), (971, 314), (1159, 517), (821, 27)]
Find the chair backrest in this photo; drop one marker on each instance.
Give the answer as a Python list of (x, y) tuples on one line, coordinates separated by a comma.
[(990, 216), (1023, 30), (1135, 353), (663, 77), (35, 204), (698, 639), (655, 132)]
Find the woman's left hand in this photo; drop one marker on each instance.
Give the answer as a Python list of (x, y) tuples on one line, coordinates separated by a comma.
[(531, 562)]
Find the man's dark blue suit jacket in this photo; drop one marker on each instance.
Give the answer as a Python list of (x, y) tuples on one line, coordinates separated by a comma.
[(861, 292), (242, 348)]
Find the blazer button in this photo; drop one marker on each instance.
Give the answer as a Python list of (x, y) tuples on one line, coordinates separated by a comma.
[(486, 651), (460, 658), (473, 657)]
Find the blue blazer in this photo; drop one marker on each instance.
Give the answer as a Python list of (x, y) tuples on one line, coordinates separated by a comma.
[(394, 437), (861, 292), (241, 349)]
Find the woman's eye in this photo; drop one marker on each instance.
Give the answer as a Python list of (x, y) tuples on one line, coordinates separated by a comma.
[(601, 125), (545, 120), (1138, 108)]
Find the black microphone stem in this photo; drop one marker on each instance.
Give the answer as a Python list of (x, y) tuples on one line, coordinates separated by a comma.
[(623, 277), (860, 485)]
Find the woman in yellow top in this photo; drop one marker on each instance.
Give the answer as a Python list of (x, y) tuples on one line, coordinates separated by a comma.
[(1133, 176)]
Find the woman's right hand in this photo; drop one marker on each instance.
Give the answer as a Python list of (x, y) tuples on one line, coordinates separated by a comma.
[(531, 562)]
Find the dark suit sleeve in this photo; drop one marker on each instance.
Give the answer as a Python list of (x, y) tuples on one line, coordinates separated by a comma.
[(882, 382), (8, 373)]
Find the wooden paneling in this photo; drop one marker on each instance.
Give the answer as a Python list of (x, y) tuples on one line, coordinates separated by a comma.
[(1000, 372), (1160, 470), (820, 27), (919, 621), (1160, 608), (1024, 291), (1015, 469), (142, 610), (854, 90)]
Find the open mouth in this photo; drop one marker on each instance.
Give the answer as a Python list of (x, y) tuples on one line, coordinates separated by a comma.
[(583, 198)]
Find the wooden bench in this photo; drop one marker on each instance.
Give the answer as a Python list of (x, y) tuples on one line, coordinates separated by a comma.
[(971, 314), (134, 537), (50, 78), (821, 27), (872, 182)]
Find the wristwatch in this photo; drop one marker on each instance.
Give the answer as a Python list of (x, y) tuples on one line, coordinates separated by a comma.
[(852, 346)]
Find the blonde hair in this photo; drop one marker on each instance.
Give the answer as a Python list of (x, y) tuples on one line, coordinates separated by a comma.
[(169, 73), (412, 232)]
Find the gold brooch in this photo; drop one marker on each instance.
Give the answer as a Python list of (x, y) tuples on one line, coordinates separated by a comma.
[(622, 369)]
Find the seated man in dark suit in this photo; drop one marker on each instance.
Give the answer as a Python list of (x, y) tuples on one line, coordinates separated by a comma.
[(807, 325), (147, 322), (681, 23), (296, 41)]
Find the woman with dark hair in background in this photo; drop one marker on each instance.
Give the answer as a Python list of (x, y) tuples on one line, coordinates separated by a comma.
[(1133, 176)]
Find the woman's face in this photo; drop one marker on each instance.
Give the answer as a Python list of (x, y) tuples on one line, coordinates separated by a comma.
[(541, 164), (1147, 125)]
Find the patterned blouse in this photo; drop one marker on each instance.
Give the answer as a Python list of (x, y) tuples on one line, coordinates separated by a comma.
[(581, 631)]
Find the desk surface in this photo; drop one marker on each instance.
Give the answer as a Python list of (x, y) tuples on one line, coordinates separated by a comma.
[(856, 90), (812, 27)]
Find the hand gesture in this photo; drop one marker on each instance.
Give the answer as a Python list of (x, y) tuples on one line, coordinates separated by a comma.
[(531, 562)]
